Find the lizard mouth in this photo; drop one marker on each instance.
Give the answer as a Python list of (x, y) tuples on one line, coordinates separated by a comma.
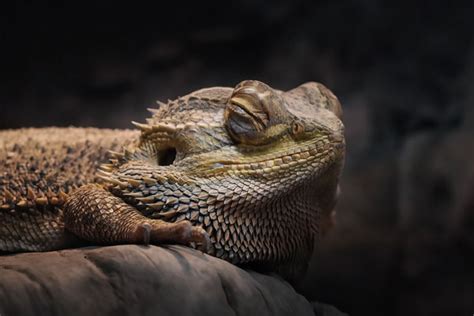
[(272, 160)]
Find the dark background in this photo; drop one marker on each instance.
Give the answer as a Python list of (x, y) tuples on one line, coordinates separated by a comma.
[(403, 71)]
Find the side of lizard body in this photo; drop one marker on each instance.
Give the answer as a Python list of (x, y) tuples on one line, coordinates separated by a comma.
[(39, 167), (250, 169)]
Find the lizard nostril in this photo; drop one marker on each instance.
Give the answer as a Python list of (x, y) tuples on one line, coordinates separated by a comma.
[(166, 156)]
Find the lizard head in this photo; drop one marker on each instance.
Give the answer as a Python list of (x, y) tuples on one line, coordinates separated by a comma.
[(219, 155), (251, 130)]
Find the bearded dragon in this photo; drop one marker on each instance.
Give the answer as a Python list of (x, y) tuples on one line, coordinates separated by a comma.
[(248, 174)]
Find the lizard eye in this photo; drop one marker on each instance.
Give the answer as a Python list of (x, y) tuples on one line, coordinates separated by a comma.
[(242, 124), (255, 114), (245, 118), (297, 128)]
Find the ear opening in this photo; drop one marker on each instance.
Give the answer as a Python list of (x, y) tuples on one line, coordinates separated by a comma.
[(166, 156)]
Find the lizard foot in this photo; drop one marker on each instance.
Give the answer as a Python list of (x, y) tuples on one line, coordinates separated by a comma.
[(159, 232), (203, 242), (194, 236)]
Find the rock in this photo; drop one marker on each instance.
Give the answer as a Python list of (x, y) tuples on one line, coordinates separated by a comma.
[(138, 280)]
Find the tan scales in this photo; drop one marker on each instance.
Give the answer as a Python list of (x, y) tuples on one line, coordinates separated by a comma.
[(248, 174)]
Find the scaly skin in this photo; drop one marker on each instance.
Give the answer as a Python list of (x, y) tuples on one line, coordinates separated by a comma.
[(253, 170), (38, 168)]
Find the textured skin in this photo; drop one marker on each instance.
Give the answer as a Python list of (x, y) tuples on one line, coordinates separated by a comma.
[(252, 170), (38, 167)]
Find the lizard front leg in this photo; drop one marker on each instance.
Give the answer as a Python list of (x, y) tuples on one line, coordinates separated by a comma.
[(96, 215)]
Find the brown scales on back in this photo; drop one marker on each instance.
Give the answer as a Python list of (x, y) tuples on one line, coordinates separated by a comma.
[(247, 174)]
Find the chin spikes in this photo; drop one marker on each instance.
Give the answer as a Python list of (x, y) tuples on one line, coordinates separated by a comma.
[(160, 104), (116, 154), (155, 111), (108, 167), (116, 158), (108, 178), (142, 127), (169, 128), (159, 127), (129, 153), (122, 183)]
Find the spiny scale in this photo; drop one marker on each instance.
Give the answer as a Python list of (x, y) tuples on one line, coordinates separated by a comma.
[(143, 127), (39, 168)]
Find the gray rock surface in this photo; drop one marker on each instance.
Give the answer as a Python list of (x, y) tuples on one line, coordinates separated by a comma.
[(139, 280)]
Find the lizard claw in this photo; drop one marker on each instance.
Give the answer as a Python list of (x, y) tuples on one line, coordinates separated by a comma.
[(195, 236), (201, 238), (144, 231)]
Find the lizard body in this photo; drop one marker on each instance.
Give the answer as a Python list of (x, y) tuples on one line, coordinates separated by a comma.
[(251, 171), (38, 168)]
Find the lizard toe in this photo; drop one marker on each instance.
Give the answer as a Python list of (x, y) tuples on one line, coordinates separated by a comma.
[(201, 238)]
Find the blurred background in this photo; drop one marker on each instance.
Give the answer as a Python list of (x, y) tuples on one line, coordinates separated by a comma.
[(403, 71)]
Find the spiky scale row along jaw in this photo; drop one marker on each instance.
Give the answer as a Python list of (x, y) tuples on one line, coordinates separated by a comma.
[(254, 166)]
